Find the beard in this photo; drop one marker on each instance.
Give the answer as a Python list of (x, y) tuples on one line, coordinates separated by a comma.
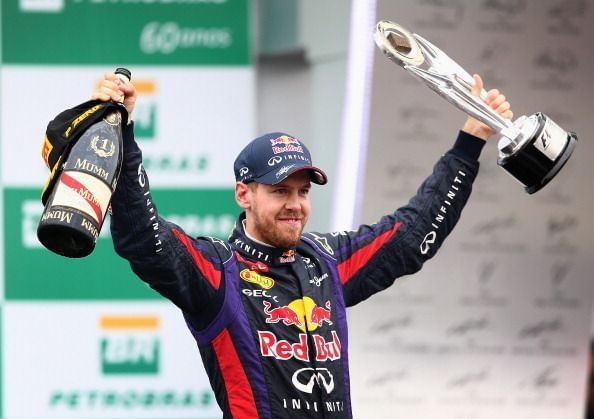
[(273, 232)]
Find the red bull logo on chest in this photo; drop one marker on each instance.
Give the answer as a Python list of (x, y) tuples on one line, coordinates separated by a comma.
[(302, 313), (319, 315), (307, 316), (271, 346), (284, 313)]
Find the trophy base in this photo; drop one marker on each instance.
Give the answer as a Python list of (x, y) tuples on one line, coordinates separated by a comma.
[(67, 232), (541, 155)]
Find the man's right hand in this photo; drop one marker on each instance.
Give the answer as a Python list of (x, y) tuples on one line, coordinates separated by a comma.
[(116, 89)]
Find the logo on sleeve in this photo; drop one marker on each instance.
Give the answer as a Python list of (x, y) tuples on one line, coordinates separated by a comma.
[(427, 242)]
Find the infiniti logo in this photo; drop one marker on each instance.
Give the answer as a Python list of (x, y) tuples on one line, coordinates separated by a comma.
[(305, 378), (141, 177), (442, 212), (427, 242), (274, 160)]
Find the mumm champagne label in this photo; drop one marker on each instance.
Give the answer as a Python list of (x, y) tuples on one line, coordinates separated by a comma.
[(84, 192)]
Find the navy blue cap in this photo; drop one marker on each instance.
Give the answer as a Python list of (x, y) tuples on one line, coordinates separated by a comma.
[(272, 158)]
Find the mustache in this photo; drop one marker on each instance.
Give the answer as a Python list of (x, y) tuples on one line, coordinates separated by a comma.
[(291, 214)]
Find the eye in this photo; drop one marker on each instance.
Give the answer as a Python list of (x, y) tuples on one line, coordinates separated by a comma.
[(304, 191)]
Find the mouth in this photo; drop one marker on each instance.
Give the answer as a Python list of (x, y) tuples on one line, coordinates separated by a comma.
[(290, 221)]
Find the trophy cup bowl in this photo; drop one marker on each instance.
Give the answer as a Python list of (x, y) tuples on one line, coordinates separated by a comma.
[(532, 149)]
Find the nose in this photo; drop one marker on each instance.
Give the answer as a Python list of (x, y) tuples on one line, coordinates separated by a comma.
[(293, 202)]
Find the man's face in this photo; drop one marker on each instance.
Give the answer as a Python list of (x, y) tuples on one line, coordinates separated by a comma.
[(277, 214)]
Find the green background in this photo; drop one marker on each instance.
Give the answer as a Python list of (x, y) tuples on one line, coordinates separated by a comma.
[(109, 33), (38, 274)]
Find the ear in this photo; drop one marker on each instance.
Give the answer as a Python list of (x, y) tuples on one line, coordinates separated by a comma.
[(243, 195)]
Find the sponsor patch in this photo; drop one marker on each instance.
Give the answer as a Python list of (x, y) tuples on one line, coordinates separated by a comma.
[(304, 379), (288, 256), (284, 140), (302, 313), (281, 349), (255, 278), (284, 170)]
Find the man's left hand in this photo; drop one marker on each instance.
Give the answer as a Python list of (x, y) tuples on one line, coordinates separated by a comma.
[(497, 101)]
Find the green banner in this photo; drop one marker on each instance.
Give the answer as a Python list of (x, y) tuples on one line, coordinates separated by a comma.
[(34, 273), (124, 32)]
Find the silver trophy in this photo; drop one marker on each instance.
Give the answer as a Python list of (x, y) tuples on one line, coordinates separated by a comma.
[(532, 148)]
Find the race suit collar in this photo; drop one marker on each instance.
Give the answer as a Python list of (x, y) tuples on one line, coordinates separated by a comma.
[(251, 249)]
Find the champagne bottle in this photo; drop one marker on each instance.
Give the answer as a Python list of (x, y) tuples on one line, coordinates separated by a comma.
[(76, 208)]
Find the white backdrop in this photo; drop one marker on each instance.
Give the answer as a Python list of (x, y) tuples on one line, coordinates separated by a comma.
[(498, 324)]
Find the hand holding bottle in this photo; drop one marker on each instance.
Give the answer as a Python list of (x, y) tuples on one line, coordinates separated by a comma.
[(117, 88)]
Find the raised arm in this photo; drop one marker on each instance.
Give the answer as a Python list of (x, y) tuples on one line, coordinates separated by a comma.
[(369, 259), (185, 270)]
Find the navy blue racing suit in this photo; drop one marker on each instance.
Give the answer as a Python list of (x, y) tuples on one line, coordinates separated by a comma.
[(270, 323)]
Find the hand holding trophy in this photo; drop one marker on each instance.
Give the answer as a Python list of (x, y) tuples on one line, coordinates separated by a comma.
[(532, 149)]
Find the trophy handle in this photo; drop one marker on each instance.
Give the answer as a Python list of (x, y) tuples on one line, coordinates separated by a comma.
[(443, 75)]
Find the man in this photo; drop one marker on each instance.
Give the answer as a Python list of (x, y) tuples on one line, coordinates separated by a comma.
[(267, 307)]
